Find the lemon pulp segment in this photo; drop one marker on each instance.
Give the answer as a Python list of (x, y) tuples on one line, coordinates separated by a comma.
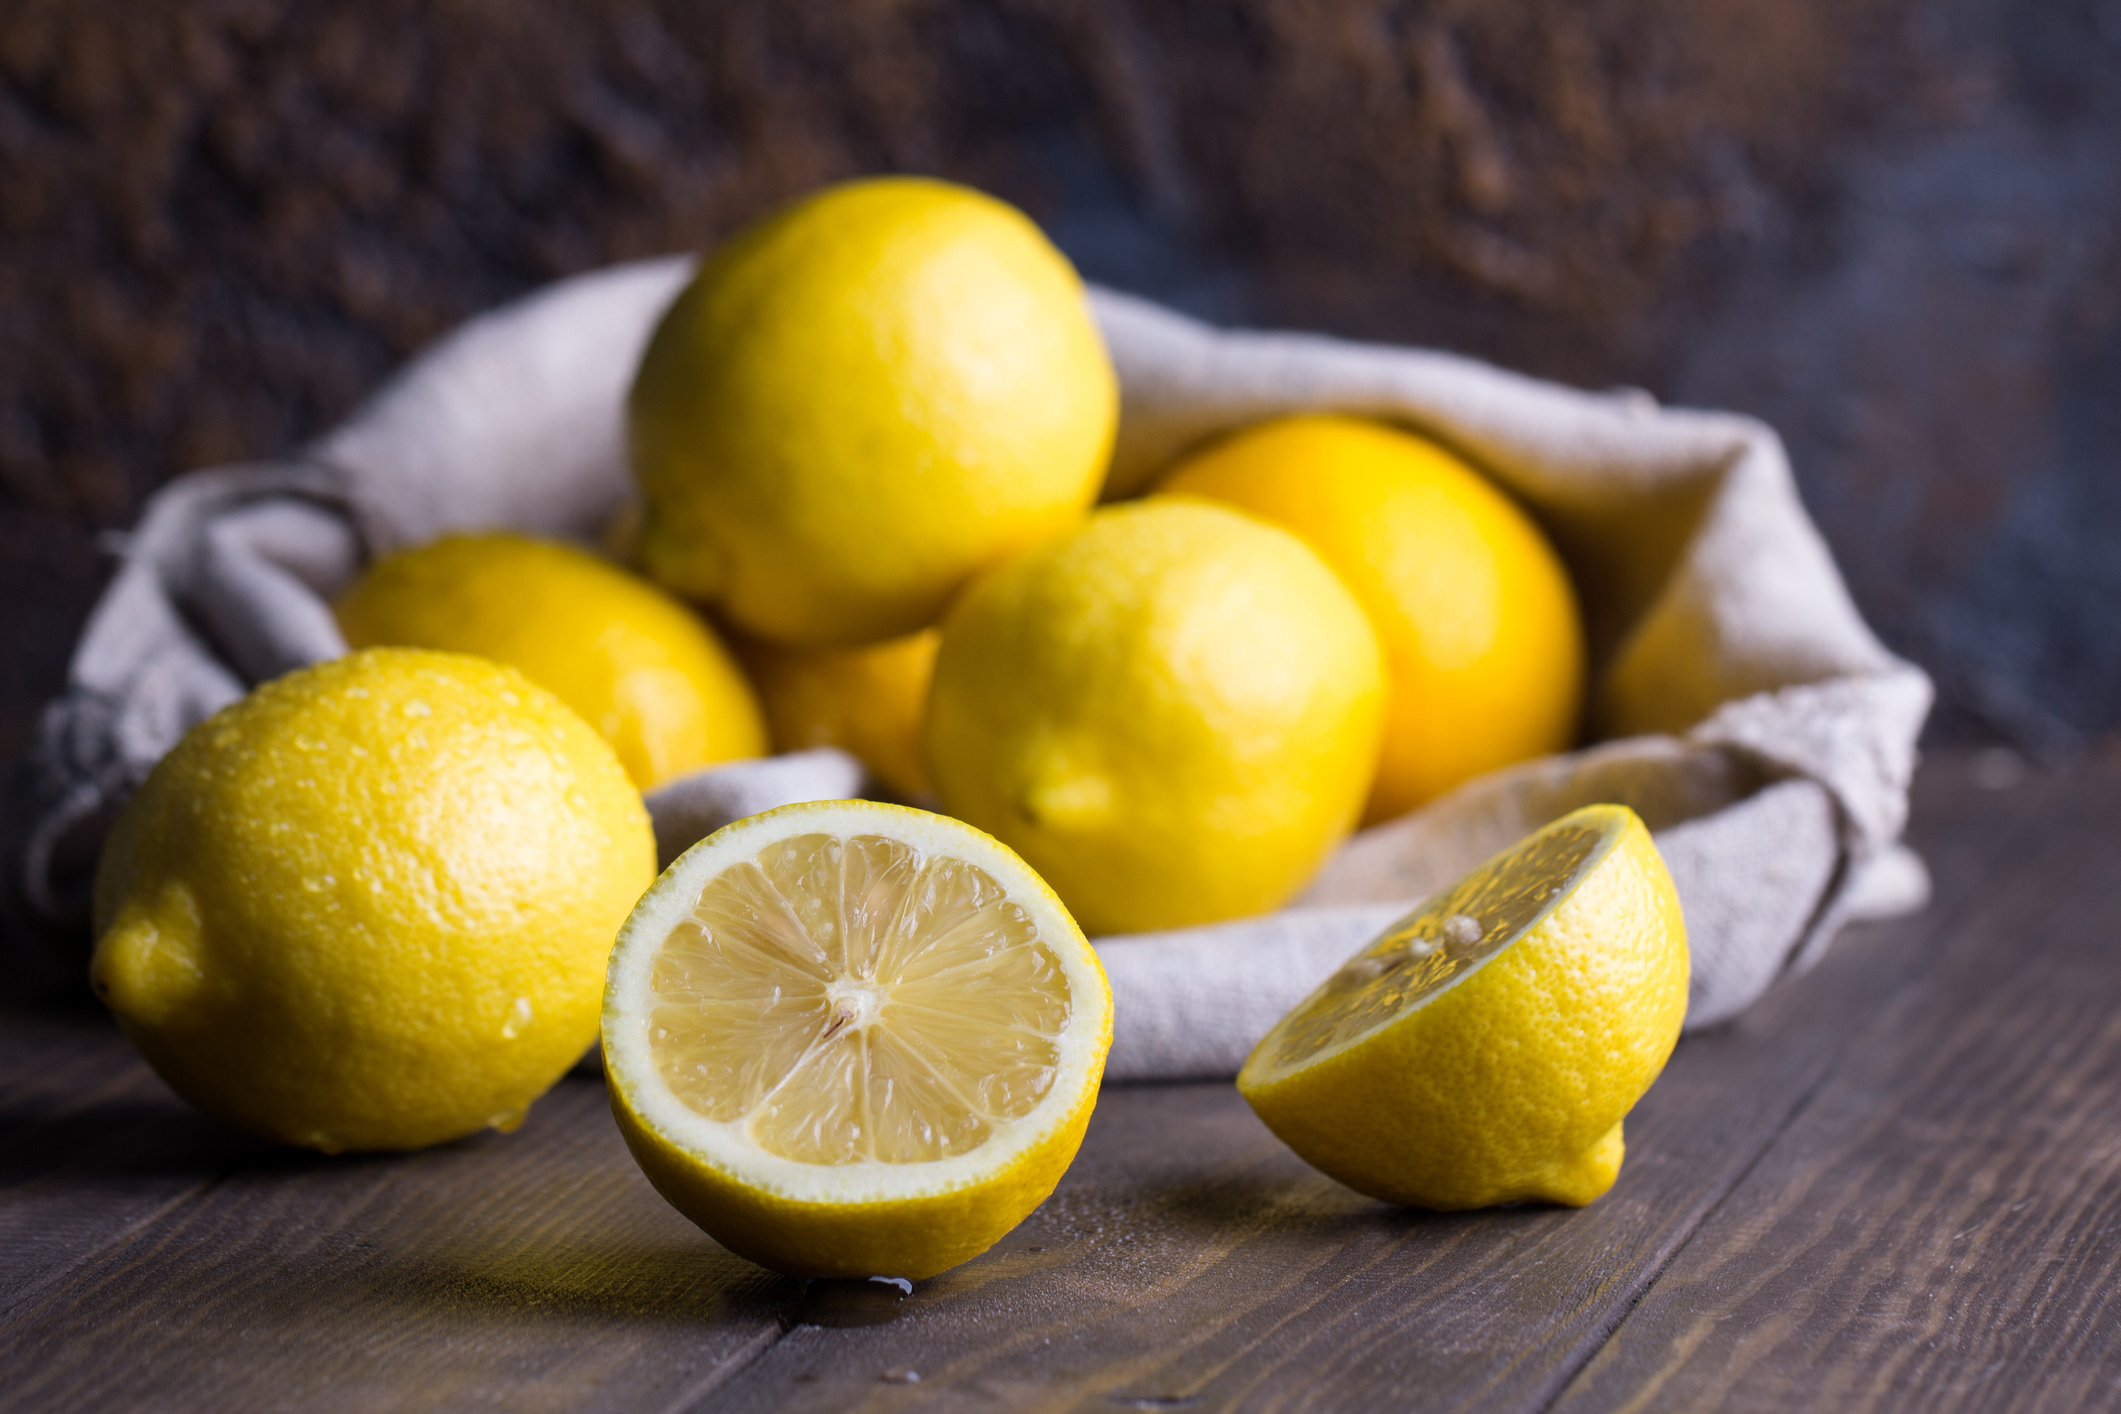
[(853, 998), (849, 1038), (1440, 943)]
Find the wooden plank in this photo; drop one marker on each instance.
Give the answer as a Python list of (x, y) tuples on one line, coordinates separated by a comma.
[(535, 1271), (1940, 1228), (92, 1146), (1189, 1259)]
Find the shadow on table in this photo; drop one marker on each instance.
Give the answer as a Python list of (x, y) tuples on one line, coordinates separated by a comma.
[(425, 1232), (1312, 1208), (589, 1280), (78, 1100), (1308, 1202), (122, 1141)]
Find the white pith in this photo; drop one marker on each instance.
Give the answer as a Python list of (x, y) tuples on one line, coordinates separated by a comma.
[(725, 1145)]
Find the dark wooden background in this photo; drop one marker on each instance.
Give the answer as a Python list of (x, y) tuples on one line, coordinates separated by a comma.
[(1888, 226)]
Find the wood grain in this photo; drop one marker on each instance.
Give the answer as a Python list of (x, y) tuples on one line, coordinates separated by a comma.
[(1940, 1227), (1189, 1260), (534, 1271), (91, 1146), (1894, 1184)]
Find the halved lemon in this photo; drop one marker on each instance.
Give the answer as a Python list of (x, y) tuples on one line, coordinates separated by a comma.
[(853, 1039), (1486, 1047)]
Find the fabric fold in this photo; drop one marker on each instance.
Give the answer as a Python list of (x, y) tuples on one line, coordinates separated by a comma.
[(1750, 715)]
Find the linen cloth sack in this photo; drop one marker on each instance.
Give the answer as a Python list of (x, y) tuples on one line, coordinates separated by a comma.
[(1741, 705)]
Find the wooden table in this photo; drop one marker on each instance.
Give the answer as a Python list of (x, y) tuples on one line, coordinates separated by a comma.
[(1895, 1184)]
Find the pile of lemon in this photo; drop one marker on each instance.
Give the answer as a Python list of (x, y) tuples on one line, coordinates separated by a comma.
[(373, 905)]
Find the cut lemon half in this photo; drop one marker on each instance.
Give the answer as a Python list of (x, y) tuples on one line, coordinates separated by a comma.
[(1486, 1048), (853, 1039)]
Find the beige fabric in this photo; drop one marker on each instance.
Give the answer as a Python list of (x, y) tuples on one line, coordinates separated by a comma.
[(1755, 722)]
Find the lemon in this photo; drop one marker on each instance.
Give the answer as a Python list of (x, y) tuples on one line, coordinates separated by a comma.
[(853, 1039), (368, 906), (861, 402), (869, 702), (1487, 1047), (1477, 617), (637, 665), (1172, 713)]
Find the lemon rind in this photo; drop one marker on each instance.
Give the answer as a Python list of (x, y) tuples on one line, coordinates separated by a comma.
[(722, 1145)]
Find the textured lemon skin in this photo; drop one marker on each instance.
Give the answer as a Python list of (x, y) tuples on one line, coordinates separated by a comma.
[(870, 702), (1172, 713), (1479, 622), (635, 664), (908, 1237), (860, 403), (368, 906), (1510, 1086)]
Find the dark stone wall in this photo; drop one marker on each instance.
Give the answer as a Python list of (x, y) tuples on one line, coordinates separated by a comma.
[(1891, 227)]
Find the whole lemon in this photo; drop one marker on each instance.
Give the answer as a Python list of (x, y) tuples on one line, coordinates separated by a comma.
[(869, 702), (860, 403), (637, 665), (1171, 713), (1487, 1047), (1482, 637), (368, 906)]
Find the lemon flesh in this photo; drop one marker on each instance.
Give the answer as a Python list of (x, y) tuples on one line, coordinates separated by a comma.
[(368, 906), (860, 403), (1478, 619), (1486, 1048), (641, 668), (1172, 712), (852, 1039)]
